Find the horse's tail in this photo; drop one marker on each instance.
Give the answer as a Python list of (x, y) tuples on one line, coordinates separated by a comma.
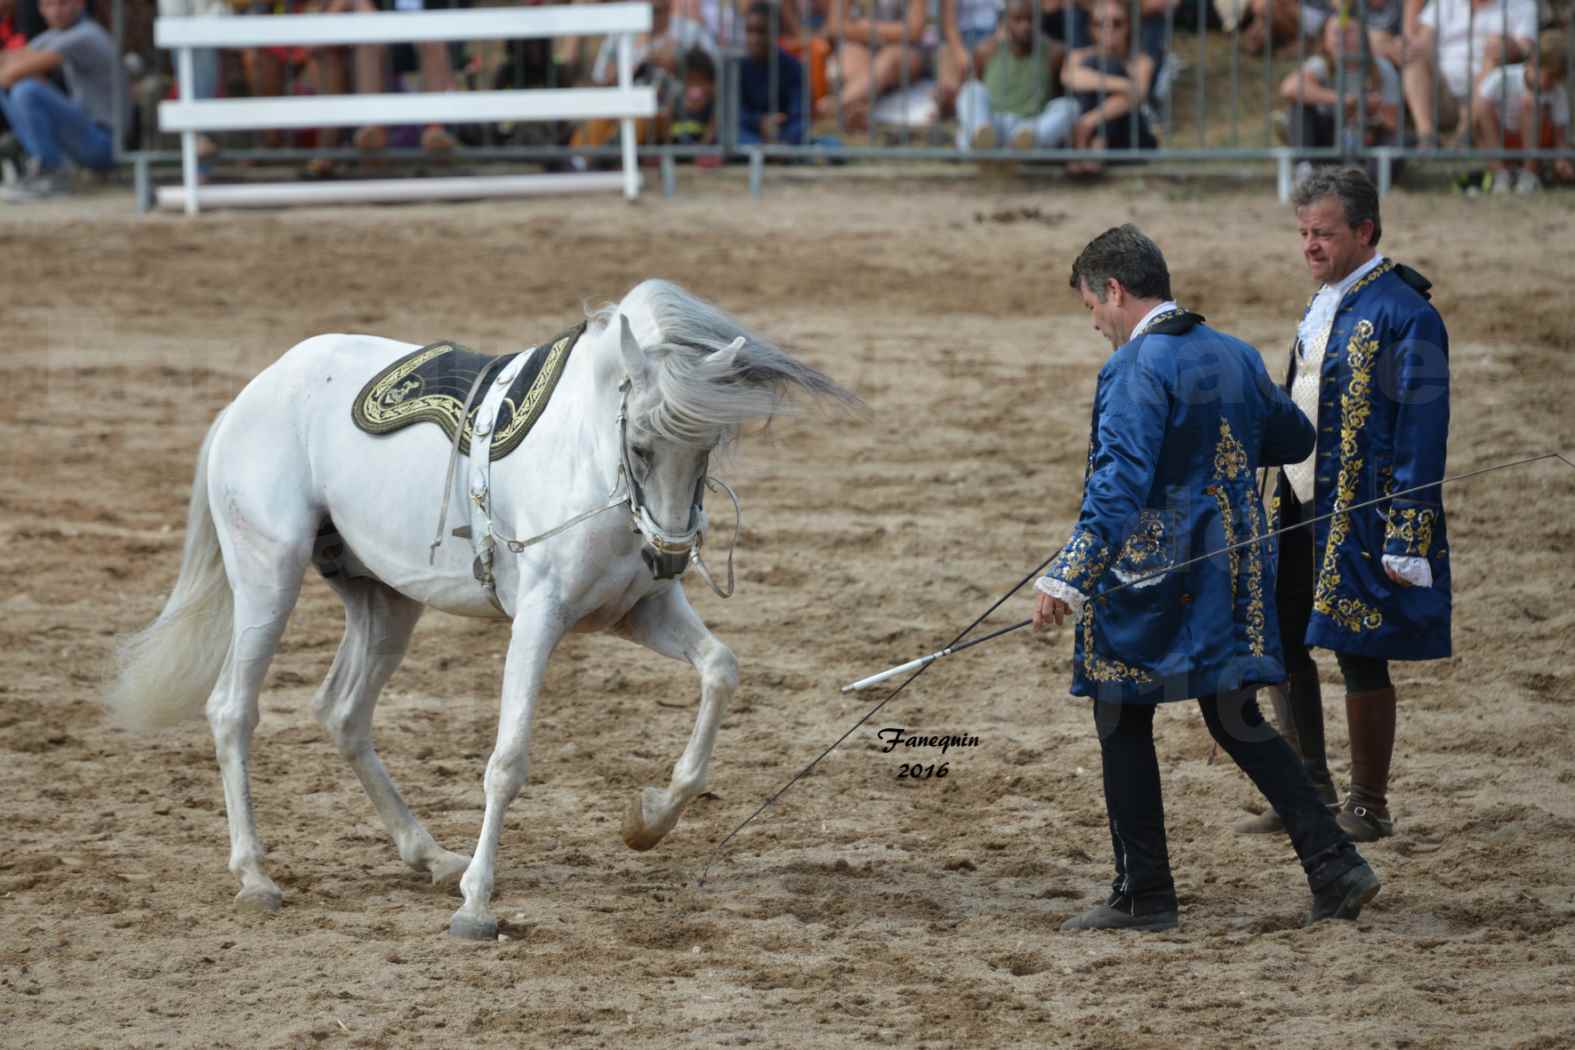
[(165, 671)]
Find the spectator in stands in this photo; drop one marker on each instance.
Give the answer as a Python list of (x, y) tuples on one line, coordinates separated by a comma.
[(1013, 104), (1336, 79), (693, 114), (1107, 83), (1471, 38), (11, 36), (802, 34), (658, 61), (878, 50), (204, 60), (427, 58), (965, 26), (1069, 23), (762, 116), (1527, 106), (54, 126)]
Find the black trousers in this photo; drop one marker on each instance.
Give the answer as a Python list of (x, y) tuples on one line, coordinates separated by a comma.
[(1136, 809), (1293, 599)]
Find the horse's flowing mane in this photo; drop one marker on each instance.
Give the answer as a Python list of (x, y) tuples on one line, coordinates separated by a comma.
[(703, 395)]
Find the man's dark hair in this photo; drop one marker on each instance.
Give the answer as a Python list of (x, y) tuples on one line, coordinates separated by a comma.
[(1127, 254), (1351, 187), (696, 60)]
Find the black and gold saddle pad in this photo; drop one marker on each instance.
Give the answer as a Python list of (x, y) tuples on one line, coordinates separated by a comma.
[(430, 385)]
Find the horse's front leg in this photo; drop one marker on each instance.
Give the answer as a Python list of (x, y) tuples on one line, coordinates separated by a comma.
[(666, 623), (536, 632)]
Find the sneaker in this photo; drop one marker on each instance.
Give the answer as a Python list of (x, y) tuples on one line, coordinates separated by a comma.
[(1499, 182), (1527, 182), (1118, 913), (37, 186), (1345, 896), (983, 137), (1303, 172), (1023, 137)]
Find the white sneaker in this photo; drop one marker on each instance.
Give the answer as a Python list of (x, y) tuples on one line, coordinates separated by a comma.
[(1527, 182), (1304, 171), (37, 186), (983, 137), (1501, 181)]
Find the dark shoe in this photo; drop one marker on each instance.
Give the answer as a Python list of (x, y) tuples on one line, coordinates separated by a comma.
[(1117, 914), (1344, 897), (1364, 823)]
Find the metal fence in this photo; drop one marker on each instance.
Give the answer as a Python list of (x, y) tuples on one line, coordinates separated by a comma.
[(1246, 82)]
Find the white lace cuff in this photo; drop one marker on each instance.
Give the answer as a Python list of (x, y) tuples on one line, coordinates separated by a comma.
[(1065, 591), (1415, 571)]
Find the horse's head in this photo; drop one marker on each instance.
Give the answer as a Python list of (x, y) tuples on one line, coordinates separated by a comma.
[(694, 377)]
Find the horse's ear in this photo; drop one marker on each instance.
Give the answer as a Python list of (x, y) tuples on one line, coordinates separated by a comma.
[(633, 356), (725, 359)]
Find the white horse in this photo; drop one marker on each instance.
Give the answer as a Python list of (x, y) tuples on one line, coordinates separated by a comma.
[(652, 386)]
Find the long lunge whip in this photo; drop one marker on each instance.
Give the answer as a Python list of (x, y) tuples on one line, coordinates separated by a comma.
[(957, 645), (925, 661)]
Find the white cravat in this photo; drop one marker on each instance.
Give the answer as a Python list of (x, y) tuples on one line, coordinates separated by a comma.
[(1312, 339)]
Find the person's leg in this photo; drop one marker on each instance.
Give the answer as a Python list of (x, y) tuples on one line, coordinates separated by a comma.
[(1370, 715), (894, 66), (1340, 880), (974, 116), (853, 59), (1489, 130), (1418, 79), (52, 127), (1298, 704), (1143, 885), (1053, 127)]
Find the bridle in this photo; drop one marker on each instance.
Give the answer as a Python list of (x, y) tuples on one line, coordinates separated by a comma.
[(667, 554)]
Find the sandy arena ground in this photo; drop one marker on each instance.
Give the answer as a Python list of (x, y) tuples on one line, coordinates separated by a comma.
[(862, 909)]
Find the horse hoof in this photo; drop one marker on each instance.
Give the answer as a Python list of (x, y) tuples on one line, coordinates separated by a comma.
[(637, 834), (447, 870), (465, 928), (260, 898)]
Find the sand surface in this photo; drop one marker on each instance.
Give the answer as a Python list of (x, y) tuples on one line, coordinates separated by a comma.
[(862, 909)]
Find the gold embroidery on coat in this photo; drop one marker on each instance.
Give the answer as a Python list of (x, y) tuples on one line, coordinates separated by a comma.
[(1082, 561), (1413, 526), (1104, 669), (1230, 459), (1355, 405)]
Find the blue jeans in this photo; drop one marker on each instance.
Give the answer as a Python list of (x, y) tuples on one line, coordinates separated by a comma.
[(49, 124)]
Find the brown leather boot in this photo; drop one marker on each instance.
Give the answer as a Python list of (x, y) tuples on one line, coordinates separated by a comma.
[(1298, 708), (1371, 717)]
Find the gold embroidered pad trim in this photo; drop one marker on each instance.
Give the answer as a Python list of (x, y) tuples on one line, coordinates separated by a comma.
[(393, 398), (1361, 351)]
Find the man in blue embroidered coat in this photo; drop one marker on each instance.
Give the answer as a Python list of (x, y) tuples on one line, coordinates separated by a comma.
[(1183, 417), (1370, 367)]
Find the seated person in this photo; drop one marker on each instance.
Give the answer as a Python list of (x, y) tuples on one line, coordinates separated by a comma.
[(1106, 85), (692, 119), (1068, 22), (965, 26), (763, 117), (802, 34), (1335, 79), (1013, 104), (878, 51), (658, 61), (1470, 39), (54, 126), (1527, 106)]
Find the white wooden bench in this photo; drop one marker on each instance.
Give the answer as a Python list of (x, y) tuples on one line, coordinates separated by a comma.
[(624, 102)]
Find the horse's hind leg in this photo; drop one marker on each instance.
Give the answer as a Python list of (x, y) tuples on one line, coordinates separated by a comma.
[(265, 573), (666, 623), (378, 625)]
